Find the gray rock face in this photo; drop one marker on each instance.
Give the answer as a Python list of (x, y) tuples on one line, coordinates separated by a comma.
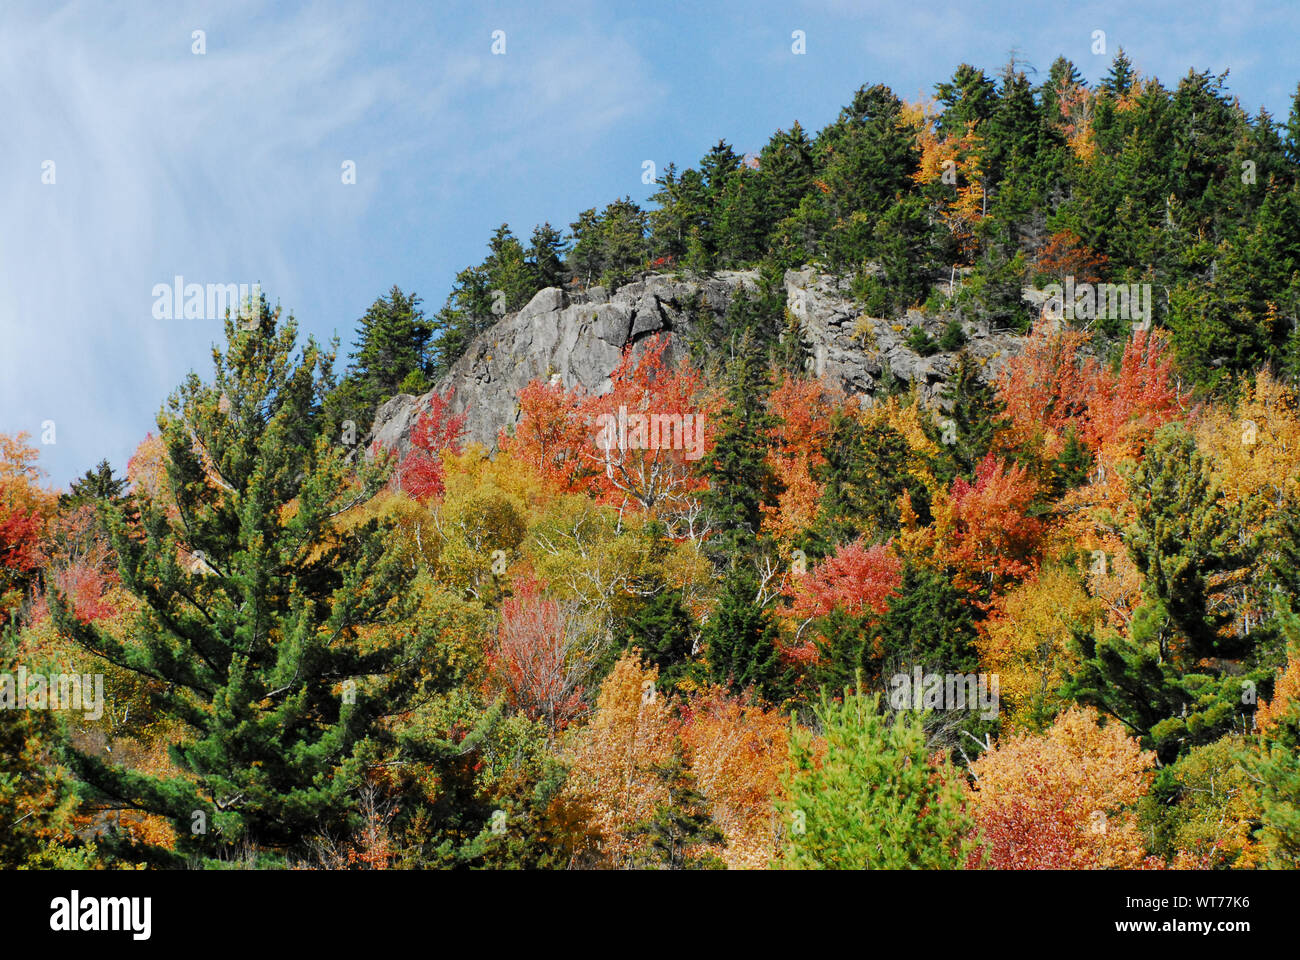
[(577, 338)]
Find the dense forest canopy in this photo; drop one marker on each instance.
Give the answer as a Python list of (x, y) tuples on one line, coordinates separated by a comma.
[(1048, 619)]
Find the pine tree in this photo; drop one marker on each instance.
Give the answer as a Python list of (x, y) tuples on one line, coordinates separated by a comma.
[(1167, 678), (276, 629), (36, 799), (871, 798)]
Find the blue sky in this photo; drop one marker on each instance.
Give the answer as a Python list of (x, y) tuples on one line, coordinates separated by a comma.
[(226, 167)]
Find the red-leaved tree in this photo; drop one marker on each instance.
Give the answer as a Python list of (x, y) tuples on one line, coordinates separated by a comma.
[(420, 473), (542, 655)]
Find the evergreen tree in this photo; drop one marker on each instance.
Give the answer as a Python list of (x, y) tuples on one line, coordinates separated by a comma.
[(390, 356), (969, 97), (513, 278), (868, 157), (586, 257), (679, 215), (1015, 129), (743, 220), (1120, 79), (1293, 134), (546, 256), (966, 429), (865, 474), (844, 648), (870, 798), (1185, 533), (786, 165), (36, 799), (1169, 677), (681, 825), (662, 628), (1275, 766), (254, 595), (96, 485), (740, 637), (740, 481), (930, 624), (610, 246)]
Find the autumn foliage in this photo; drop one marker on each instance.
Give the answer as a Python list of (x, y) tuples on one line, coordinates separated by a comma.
[(1063, 799), (420, 473)]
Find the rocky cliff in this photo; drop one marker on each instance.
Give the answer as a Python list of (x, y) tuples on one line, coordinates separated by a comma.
[(576, 338)]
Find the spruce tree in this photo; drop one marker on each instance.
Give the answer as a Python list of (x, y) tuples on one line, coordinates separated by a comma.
[(513, 278), (390, 356), (966, 429), (740, 481), (969, 97), (867, 471), (1121, 76), (662, 628), (1293, 134), (740, 637), (546, 256), (930, 623), (681, 825), (95, 485)]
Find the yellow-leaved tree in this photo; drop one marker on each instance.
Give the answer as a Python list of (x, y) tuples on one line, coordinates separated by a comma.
[(1027, 643)]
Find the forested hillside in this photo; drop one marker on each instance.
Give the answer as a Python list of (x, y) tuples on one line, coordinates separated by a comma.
[(727, 613)]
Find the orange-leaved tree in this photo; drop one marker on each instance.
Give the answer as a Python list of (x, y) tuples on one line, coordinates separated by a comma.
[(1062, 799), (737, 752), (616, 758)]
